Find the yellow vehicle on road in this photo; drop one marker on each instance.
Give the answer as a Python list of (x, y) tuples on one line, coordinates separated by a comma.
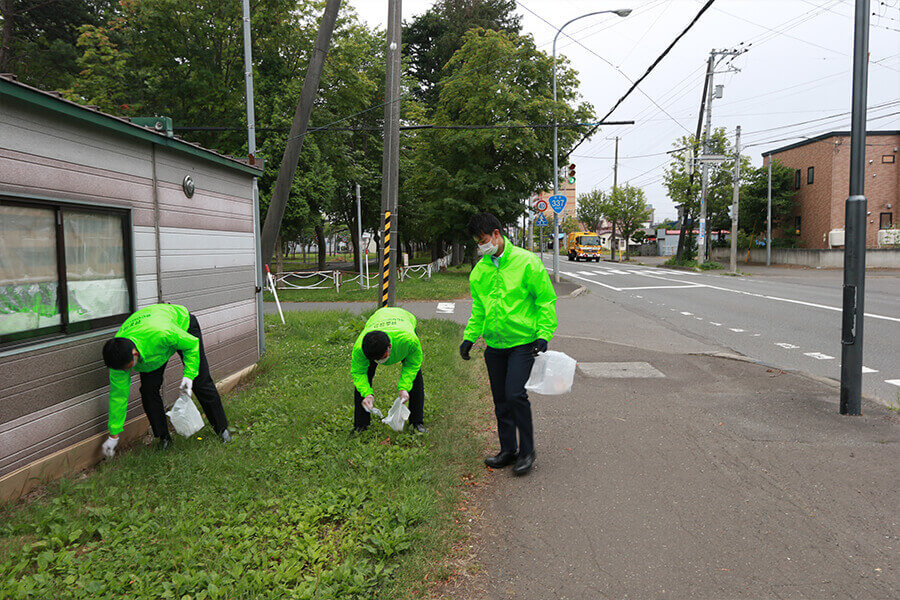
[(583, 245)]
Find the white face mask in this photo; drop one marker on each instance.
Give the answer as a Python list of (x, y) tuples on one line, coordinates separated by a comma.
[(381, 361), (490, 248)]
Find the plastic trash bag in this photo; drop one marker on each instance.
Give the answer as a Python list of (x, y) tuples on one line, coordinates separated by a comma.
[(185, 417), (397, 415), (552, 374)]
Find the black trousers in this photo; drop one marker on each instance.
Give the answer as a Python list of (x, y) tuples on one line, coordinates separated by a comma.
[(416, 401), (204, 388), (508, 370)]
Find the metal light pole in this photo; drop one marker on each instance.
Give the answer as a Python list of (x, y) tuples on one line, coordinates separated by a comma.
[(622, 12), (769, 218), (359, 239), (251, 150), (735, 200), (855, 224)]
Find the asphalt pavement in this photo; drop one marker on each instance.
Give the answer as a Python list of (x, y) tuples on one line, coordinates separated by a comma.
[(787, 318), (671, 472)]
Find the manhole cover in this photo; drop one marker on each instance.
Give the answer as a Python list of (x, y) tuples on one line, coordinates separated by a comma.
[(619, 369)]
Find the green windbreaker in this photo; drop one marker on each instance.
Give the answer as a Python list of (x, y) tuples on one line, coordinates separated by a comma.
[(512, 304), (400, 327), (158, 331)]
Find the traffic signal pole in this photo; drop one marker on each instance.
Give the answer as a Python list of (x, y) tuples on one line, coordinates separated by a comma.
[(855, 224)]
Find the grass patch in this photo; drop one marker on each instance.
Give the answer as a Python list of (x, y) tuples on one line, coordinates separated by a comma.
[(293, 508), (709, 265), (446, 285)]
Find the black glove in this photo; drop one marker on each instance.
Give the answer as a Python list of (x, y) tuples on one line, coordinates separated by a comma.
[(540, 345), (464, 349)]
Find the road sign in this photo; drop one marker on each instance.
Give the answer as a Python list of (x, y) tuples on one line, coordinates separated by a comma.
[(541, 205), (541, 221), (558, 203)]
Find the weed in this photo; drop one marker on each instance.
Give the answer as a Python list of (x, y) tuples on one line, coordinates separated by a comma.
[(292, 508)]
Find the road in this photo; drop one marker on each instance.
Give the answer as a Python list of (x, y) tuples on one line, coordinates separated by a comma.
[(788, 319)]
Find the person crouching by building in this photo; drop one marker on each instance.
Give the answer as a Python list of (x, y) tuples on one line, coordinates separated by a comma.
[(144, 343)]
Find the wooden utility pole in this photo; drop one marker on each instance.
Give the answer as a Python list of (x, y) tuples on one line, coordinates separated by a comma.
[(298, 131), (390, 164)]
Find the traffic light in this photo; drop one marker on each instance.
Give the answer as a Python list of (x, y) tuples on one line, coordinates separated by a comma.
[(572, 173)]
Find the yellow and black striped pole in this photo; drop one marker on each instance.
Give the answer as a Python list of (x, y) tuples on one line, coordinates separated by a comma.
[(386, 265)]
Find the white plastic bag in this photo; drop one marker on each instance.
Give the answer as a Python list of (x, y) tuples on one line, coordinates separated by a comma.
[(552, 374), (185, 417), (397, 416)]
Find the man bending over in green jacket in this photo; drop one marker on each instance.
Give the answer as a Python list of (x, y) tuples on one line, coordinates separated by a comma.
[(514, 310), (388, 338), (144, 343)]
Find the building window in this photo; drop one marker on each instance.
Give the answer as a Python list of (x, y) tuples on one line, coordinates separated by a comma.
[(809, 175), (797, 180), (886, 221), (64, 269), (887, 158), (797, 224)]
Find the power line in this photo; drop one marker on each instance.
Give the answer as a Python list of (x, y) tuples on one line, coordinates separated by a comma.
[(649, 70), (415, 127)]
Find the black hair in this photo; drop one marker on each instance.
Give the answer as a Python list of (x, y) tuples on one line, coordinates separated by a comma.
[(483, 223), (375, 344), (117, 353)]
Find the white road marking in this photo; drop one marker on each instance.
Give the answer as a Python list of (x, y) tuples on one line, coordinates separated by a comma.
[(755, 334), (592, 281), (787, 346), (587, 273), (818, 355), (663, 287), (893, 382), (446, 307), (737, 330), (687, 314), (699, 318), (641, 297), (714, 323), (868, 370)]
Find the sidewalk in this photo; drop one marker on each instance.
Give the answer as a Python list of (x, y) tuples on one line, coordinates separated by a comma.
[(698, 477)]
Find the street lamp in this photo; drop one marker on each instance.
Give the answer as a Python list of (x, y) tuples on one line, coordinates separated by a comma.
[(622, 12)]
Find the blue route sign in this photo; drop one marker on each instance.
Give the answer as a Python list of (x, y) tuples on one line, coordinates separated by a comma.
[(557, 203), (541, 221)]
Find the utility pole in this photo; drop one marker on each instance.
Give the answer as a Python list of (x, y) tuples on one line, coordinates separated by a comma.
[(712, 92), (769, 218), (612, 239), (390, 171), (855, 223), (298, 130), (251, 151), (735, 199), (359, 240)]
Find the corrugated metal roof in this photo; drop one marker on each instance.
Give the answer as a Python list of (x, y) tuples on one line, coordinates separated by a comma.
[(54, 101)]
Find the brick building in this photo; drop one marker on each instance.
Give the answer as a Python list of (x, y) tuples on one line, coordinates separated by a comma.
[(822, 178)]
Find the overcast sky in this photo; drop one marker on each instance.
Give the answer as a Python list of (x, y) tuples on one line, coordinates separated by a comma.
[(798, 69)]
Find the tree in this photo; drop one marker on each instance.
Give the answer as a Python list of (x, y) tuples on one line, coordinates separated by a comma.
[(433, 37), (631, 210), (494, 79), (570, 225), (754, 198), (589, 209)]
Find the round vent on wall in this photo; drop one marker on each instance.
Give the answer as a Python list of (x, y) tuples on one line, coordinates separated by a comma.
[(188, 186)]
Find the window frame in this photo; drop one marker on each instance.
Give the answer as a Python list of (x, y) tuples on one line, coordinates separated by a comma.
[(798, 221), (885, 159), (66, 329), (797, 177), (810, 175), (881, 216)]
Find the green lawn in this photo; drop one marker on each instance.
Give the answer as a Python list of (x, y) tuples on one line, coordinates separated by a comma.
[(448, 285), (293, 508)]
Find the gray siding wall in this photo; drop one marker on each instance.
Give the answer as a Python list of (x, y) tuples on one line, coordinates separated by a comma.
[(55, 394)]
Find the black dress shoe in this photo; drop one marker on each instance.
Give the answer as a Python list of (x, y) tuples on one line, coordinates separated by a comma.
[(164, 443), (502, 459), (524, 464), (420, 428)]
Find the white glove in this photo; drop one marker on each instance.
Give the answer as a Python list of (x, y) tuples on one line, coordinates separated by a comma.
[(368, 402), (404, 396), (109, 446), (187, 385)]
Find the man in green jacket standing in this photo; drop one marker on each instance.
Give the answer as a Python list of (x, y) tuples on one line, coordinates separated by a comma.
[(514, 310), (144, 343), (388, 338)]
